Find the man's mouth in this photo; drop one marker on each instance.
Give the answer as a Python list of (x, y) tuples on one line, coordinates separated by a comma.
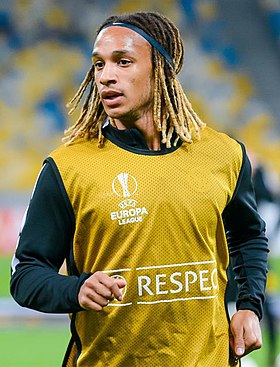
[(111, 97), (110, 94)]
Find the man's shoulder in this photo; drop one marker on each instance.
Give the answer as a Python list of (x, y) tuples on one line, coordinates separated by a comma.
[(218, 136), (79, 147), (82, 155), (76, 155), (220, 140), (222, 148)]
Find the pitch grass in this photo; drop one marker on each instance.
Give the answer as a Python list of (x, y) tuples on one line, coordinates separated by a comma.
[(29, 346), (5, 271)]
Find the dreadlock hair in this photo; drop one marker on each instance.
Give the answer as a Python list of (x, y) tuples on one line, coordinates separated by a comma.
[(171, 108)]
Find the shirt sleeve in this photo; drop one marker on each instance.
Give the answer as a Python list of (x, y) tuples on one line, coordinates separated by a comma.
[(248, 245), (45, 241)]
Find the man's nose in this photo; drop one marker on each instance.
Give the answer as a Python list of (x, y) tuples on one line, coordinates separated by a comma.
[(108, 75)]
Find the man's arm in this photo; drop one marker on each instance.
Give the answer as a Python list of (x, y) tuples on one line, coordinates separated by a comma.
[(248, 247), (44, 243)]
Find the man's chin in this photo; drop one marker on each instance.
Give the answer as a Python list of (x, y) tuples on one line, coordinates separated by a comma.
[(125, 118), (114, 114)]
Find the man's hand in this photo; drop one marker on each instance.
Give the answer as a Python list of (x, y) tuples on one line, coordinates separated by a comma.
[(245, 333), (98, 290)]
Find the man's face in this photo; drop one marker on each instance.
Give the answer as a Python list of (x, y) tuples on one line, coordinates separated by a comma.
[(123, 74)]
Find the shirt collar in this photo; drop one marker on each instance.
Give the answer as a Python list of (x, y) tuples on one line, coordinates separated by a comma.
[(131, 138)]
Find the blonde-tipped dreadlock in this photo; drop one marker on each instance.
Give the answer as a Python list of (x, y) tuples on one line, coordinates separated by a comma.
[(171, 110)]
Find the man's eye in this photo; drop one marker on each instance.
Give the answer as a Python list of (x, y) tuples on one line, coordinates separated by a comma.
[(124, 62), (98, 65)]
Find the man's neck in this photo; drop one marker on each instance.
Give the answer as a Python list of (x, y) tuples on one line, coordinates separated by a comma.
[(147, 128)]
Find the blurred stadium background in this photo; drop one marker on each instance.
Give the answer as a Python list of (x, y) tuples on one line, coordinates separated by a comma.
[(231, 75)]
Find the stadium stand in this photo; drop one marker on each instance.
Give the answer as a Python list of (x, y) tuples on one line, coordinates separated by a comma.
[(45, 51), (272, 12)]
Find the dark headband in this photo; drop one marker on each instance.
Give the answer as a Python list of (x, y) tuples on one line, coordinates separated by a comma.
[(151, 40)]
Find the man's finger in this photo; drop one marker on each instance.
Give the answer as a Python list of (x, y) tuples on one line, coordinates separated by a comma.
[(239, 350), (116, 290), (90, 301), (120, 283), (237, 341)]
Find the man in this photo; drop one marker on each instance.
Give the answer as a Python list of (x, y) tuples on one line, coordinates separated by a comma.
[(140, 201)]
